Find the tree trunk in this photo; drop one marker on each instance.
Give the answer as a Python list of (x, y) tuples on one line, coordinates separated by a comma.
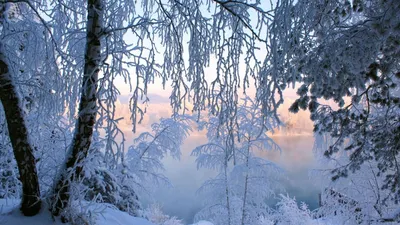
[(31, 203), (228, 207), (87, 110), (246, 181)]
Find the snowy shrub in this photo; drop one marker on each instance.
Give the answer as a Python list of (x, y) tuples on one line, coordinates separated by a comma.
[(265, 221), (155, 215), (102, 184), (9, 184), (289, 213), (82, 212)]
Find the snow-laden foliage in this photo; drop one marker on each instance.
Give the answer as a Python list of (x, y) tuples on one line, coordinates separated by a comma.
[(31, 57), (52, 138), (238, 194), (143, 159), (347, 52), (9, 183), (358, 199), (119, 186)]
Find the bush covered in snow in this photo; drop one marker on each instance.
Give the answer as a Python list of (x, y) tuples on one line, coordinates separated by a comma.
[(289, 213), (155, 215)]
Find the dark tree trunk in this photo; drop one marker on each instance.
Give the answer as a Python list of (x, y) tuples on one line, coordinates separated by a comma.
[(31, 203), (87, 110)]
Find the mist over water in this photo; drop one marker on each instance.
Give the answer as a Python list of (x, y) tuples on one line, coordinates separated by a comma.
[(296, 159)]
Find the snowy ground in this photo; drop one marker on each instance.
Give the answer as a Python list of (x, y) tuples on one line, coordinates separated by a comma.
[(10, 215), (103, 214)]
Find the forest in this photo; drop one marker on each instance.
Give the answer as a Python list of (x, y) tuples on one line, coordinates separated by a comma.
[(66, 156)]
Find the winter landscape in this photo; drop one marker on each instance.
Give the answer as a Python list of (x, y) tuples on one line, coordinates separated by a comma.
[(199, 112)]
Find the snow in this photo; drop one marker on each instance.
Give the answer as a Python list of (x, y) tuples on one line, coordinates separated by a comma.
[(10, 215), (323, 221), (116, 217), (203, 222)]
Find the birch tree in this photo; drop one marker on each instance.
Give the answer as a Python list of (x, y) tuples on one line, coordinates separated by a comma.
[(23, 152), (22, 37), (87, 105)]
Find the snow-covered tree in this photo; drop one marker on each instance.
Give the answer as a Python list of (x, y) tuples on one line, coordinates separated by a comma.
[(238, 194), (347, 52)]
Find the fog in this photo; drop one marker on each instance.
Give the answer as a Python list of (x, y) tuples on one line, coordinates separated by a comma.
[(182, 201)]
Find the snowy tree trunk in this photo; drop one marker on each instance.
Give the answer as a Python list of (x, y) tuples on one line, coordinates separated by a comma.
[(87, 109), (228, 207), (246, 181), (23, 152)]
